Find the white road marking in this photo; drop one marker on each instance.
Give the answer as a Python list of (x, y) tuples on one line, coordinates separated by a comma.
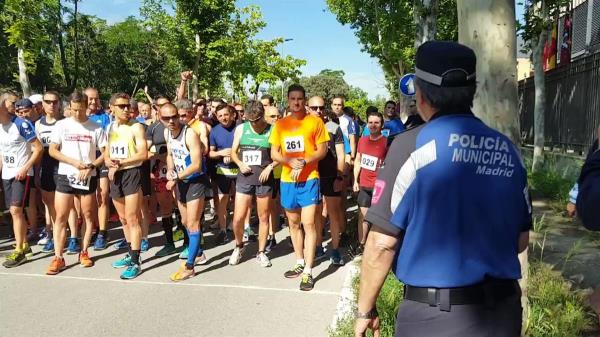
[(312, 292)]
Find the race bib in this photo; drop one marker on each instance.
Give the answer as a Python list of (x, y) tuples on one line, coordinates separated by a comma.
[(119, 150), (45, 139), (368, 162), (9, 160), (252, 158), (294, 144), (162, 173), (74, 182)]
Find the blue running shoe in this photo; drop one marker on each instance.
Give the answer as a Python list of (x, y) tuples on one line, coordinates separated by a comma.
[(121, 244), (73, 247), (131, 272), (145, 245), (184, 254), (101, 242), (48, 247), (122, 263)]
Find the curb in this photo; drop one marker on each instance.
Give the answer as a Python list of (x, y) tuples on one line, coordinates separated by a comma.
[(347, 302)]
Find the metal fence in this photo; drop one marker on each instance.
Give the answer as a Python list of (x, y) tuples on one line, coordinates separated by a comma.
[(572, 111)]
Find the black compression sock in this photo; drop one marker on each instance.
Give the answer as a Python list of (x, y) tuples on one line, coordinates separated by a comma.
[(135, 257), (167, 225)]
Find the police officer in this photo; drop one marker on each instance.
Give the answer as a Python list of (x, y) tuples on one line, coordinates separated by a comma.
[(456, 191)]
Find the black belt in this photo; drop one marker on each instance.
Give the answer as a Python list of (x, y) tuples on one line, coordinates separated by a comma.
[(487, 293)]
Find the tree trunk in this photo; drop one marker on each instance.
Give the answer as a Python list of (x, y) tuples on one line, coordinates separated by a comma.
[(488, 27), (425, 18), (540, 102), (76, 43), (23, 78), (61, 48), (195, 70)]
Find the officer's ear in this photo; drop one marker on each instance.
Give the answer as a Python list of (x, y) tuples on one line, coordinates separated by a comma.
[(424, 109)]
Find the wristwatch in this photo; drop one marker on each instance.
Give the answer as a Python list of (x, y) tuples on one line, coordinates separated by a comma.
[(367, 315)]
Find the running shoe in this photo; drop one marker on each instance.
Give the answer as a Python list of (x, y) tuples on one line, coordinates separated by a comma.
[(145, 245), (73, 246), (43, 237), (222, 238), (56, 266), (14, 259), (132, 271), (320, 253), (307, 282), (271, 243), (121, 244), (48, 247), (27, 251), (101, 242), (336, 258), (184, 253), (236, 256), (249, 235), (182, 274), (84, 260), (167, 250), (178, 235), (201, 259), (263, 260), (122, 263), (295, 271)]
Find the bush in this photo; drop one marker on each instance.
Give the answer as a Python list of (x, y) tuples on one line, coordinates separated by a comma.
[(549, 183), (554, 309)]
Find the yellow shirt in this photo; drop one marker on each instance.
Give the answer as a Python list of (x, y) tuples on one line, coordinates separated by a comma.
[(298, 138), (121, 142)]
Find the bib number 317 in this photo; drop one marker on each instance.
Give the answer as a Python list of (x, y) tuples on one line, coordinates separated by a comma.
[(294, 144)]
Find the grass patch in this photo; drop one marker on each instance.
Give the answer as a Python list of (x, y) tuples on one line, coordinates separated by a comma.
[(387, 306), (555, 309)]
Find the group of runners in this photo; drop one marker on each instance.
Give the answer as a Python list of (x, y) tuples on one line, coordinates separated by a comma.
[(172, 162)]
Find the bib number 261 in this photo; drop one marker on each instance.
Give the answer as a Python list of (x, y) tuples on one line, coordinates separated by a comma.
[(294, 144)]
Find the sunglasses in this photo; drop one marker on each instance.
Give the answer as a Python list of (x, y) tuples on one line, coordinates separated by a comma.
[(123, 106), (168, 118), (183, 116), (316, 108), (48, 101)]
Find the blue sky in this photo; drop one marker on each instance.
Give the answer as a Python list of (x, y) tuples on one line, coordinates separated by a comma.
[(317, 36)]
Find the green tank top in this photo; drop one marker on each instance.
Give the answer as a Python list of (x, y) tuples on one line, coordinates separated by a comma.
[(255, 151)]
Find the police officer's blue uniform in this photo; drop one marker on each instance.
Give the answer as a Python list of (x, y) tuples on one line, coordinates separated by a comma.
[(457, 192)]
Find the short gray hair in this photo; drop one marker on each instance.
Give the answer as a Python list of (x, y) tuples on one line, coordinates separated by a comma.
[(184, 104)]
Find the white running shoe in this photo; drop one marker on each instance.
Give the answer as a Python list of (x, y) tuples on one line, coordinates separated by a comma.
[(263, 260), (236, 256)]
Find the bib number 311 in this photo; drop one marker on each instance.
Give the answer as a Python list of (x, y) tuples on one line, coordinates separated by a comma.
[(294, 144)]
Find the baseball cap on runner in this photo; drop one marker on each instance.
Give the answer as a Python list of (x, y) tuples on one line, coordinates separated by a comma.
[(23, 103), (35, 99)]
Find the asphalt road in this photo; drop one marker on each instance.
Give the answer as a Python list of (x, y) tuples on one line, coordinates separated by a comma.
[(221, 300)]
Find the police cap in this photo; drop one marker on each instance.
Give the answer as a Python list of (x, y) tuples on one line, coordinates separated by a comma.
[(446, 64)]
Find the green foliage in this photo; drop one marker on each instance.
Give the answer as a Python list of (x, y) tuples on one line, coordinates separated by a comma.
[(549, 183), (386, 30), (555, 309), (537, 17)]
